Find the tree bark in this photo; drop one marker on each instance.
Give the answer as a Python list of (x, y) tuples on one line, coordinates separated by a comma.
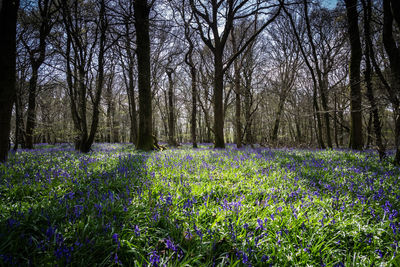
[(145, 135), (282, 98), (238, 91), (368, 72), (109, 112), (193, 76), (335, 124), (31, 112), (8, 24), (171, 117), (247, 111), (218, 99), (19, 120), (356, 132), (393, 52), (193, 120), (131, 86)]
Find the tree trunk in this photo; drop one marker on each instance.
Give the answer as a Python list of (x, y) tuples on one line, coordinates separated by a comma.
[(99, 78), (247, 112), (115, 124), (218, 100), (356, 134), (145, 134), (131, 87), (369, 131), (335, 124), (31, 112), (368, 69), (171, 117), (37, 56), (319, 83), (394, 57), (8, 20), (238, 124), (319, 124), (132, 109), (194, 107), (324, 102), (19, 119), (282, 98), (109, 114), (83, 134)]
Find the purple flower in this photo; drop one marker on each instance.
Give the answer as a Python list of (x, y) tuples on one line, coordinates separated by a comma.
[(198, 231), (260, 224), (245, 258), (264, 258), (50, 232), (115, 238), (188, 234), (154, 258), (170, 245), (379, 252), (116, 260), (340, 264), (137, 230)]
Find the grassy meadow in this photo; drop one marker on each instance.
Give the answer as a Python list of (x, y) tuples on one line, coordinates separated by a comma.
[(198, 207)]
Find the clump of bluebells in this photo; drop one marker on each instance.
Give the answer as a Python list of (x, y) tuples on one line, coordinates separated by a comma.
[(203, 207)]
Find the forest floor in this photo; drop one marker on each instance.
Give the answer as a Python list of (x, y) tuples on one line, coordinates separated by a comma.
[(200, 207)]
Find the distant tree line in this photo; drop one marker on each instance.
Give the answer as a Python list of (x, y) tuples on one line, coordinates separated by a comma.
[(273, 73)]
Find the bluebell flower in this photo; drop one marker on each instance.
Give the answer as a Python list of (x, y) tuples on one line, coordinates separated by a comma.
[(116, 240), (137, 230), (116, 260), (154, 258)]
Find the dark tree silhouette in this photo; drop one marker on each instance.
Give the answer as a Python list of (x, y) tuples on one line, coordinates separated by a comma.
[(37, 54), (393, 52), (145, 134), (356, 133), (367, 6), (8, 24)]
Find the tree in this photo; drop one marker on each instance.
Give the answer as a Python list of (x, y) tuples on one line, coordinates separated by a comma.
[(42, 21), (21, 84), (145, 135), (356, 132), (393, 51), (8, 25), (83, 35), (238, 92), (286, 59), (208, 15), (192, 66), (367, 6), (171, 113), (127, 60), (310, 68)]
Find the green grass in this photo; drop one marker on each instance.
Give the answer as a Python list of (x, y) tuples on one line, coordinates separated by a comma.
[(198, 207)]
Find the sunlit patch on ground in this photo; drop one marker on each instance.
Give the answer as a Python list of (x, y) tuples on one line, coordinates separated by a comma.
[(199, 207)]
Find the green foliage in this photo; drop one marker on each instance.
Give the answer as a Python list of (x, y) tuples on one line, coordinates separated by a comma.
[(198, 207)]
